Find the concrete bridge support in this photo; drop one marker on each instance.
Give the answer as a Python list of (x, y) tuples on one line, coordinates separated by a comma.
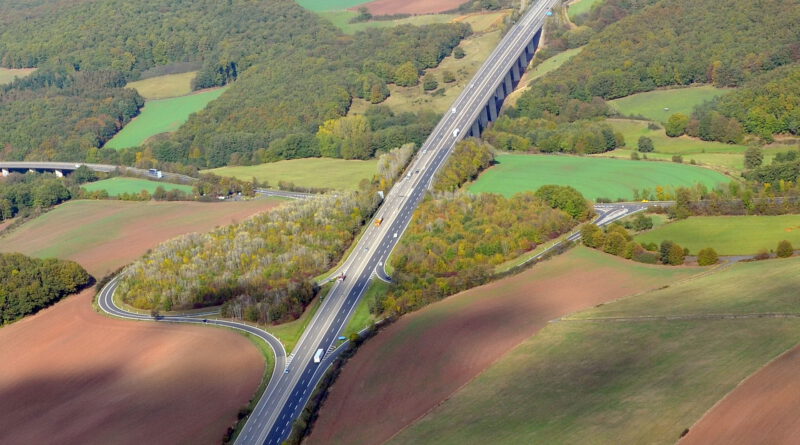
[(6, 172), (491, 110), (59, 173)]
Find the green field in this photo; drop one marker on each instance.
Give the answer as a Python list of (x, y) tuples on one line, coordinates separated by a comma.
[(659, 105), (579, 7), (637, 381), (342, 21), (338, 174), (119, 185), (729, 235), (552, 63), (362, 318), (161, 116), (162, 87), (594, 177), (7, 75), (329, 5)]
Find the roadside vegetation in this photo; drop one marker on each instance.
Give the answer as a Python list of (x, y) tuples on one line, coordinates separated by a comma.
[(28, 285)]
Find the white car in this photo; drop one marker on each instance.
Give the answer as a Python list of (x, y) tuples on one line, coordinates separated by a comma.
[(455, 132), (395, 234), (453, 110)]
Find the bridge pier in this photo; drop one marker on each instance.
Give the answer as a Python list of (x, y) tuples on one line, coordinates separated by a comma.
[(476, 130), (6, 172), (492, 107), (508, 84), (59, 174)]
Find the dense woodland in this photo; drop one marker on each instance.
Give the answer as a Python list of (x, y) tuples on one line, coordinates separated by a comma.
[(30, 284), (455, 241), (290, 70), (677, 43), (469, 158), (23, 193)]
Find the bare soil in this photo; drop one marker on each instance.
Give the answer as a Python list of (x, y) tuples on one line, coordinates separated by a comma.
[(389, 7), (421, 360), (104, 235), (762, 410), (72, 376)]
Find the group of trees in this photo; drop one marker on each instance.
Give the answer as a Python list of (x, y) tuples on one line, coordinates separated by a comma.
[(30, 284), (290, 70), (549, 136), (455, 241), (469, 158), (22, 193), (262, 269), (615, 239), (726, 44)]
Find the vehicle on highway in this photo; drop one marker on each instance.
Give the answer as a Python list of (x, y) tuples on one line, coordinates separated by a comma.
[(342, 277), (455, 132), (286, 371), (205, 320), (395, 234), (453, 110), (378, 221), (318, 356)]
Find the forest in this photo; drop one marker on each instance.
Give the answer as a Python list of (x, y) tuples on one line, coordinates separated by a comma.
[(290, 71), (28, 285), (21, 194), (669, 43), (455, 241)]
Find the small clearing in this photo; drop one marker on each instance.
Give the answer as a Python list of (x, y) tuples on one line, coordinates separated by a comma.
[(579, 7), (390, 7), (7, 75), (729, 235), (594, 177), (423, 358), (166, 86), (338, 174), (119, 185), (659, 105), (162, 116)]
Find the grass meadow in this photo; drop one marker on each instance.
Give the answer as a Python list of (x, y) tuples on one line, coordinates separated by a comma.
[(579, 7), (161, 116), (659, 105), (338, 174), (329, 5), (592, 176), (729, 235), (163, 87), (586, 379), (7, 75), (342, 21), (119, 185)]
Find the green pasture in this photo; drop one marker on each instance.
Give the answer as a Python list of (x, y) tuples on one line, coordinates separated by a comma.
[(659, 105), (339, 174), (341, 19), (729, 235), (119, 185), (594, 177), (587, 379), (552, 63), (329, 5), (161, 116), (579, 7)]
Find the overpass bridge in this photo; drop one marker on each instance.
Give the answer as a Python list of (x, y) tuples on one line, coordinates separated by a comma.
[(59, 168)]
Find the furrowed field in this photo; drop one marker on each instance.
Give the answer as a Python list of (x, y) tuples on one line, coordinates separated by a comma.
[(119, 185), (594, 177), (593, 379), (338, 174), (729, 235), (161, 116)]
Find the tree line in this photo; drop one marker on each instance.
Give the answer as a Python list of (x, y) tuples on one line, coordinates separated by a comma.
[(28, 285)]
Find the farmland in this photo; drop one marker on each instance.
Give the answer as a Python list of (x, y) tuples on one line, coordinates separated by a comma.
[(459, 337), (338, 174), (163, 87), (81, 377), (119, 185), (729, 235), (635, 381), (659, 105), (104, 235), (161, 116), (7, 75), (594, 177)]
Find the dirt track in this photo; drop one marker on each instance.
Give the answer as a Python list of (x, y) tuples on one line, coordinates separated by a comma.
[(425, 357), (762, 410), (72, 376), (389, 7)]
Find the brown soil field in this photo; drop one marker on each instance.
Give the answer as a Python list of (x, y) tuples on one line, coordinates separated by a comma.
[(388, 7), (104, 235), (73, 376), (422, 359), (761, 410)]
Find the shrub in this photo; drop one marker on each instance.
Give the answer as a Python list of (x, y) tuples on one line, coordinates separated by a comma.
[(707, 257), (459, 53), (429, 83), (645, 144), (677, 255), (785, 249), (753, 157), (676, 125), (634, 156), (677, 158), (448, 77)]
